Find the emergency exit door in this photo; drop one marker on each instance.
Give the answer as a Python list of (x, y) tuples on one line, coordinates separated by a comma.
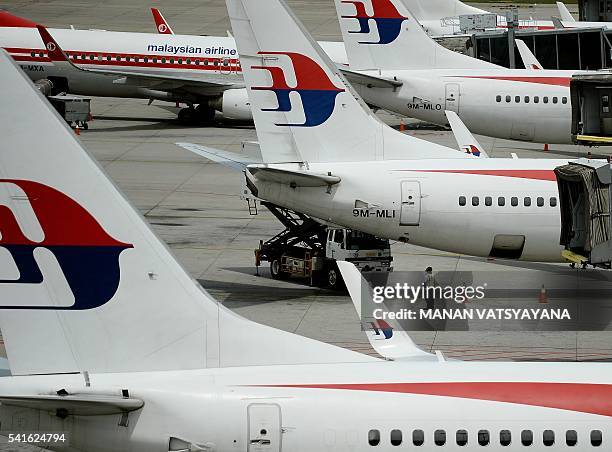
[(264, 427), (410, 214), (452, 97)]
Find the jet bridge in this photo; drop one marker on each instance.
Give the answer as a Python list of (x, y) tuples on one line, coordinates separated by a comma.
[(585, 188), (592, 109)]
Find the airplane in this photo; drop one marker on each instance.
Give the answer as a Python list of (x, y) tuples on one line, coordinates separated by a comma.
[(441, 18), (201, 71), (114, 346), (428, 79)]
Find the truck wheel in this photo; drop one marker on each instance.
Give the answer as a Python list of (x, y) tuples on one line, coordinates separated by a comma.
[(275, 269), (334, 278)]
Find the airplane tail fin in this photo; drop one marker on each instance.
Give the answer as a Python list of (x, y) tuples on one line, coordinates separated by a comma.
[(85, 284), (440, 9), (388, 37), (304, 109), (162, 25), (566, 16), (529, 59)]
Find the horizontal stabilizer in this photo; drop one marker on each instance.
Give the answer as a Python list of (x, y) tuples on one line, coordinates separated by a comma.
[(385, 336), (369, 80), (292, 178), (77, 405), (230, 159), (465, 140)]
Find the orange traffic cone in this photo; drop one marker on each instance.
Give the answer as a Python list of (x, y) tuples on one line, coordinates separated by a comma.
[(402, 126), (546, 147), (543, 296), (77, 130)]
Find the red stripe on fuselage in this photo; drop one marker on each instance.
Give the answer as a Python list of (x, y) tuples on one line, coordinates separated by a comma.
[(554, 81), (578, 397), (548, 175)]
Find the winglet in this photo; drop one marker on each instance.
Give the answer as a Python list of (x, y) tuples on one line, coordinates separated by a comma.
[(9, 20), (529, 59), (161, 24), (566, 16), (386, 337), (465, 140)]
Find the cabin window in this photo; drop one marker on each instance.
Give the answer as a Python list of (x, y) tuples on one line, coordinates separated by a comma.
[(488, 201), (180, 61), (462, 437), (514, 201), (418, 437), (188, 61), (508, 99), (596, 438), (108, 58), (498, 98), (517, 99), (555, 100), (91, 57), (548, 438), (117, 58), (171, 60), (440, 437), (197, 62), (526, 99), (225, 62), (33, 54), (374, 437), (540, 202), (536, 99), (505, 437), (527, 202), (99, 57), (462, 201), (545, 99), (475, 201), (571, 438), (553, 202), (484, 438), (501, 201), (163, 60), (527, 437), (146, 60), (396, 437), (564, 100)]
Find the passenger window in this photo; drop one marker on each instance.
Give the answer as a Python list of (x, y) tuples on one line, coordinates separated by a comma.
[(488, 201), (517, 99), (396, 437), (440, 437), (527, 437), (498, 99), (197, 62), (188, 61), (501, 201), (505, 437), (536, 100), (484, 438), (462, 437), (108, 58), (374, 437), (418, 437), (163, 60), (553, 202), (526, 99), (555, 100), (564, 100), (462, 201), (546, 99), (596, 438), (527, 202), (571, 438), (475, 201), (514, 201), (171, 60), (179, 61), (508, 99), (540, 202), (91, 57), (548, 438)]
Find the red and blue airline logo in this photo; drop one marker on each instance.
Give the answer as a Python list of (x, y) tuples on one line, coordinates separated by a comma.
[(86, 254), (382, 329), (387, 18), (314, 87)]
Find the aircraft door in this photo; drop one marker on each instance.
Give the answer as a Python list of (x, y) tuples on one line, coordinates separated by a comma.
[(410, 214), (453, 94), (264, 427)]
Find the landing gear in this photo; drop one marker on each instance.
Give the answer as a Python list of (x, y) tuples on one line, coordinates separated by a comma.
[(198, 116)]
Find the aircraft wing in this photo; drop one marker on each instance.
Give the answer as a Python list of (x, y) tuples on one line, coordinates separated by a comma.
[(230, 159), (160, 82), (566, 16), (529, 59), (77, 405), (386, 337), (465, 140), (293, 178), (369, 80)]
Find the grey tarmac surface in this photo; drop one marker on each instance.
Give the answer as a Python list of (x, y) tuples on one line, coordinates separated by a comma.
[(195, 206)]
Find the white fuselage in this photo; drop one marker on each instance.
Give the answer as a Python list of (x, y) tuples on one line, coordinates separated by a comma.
[(489, 101), (434, 216), (335, 407)]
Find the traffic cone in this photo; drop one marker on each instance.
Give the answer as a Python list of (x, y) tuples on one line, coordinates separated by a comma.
[(546, 147), (77, 130), (543, 296), (402, 126)]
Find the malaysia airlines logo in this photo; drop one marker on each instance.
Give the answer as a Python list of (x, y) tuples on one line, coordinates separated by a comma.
[(387, 18), (381, 329), (87, 256), (316, 90)]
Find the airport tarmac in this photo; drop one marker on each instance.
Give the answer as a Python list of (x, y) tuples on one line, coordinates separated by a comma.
[(195, 205)]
